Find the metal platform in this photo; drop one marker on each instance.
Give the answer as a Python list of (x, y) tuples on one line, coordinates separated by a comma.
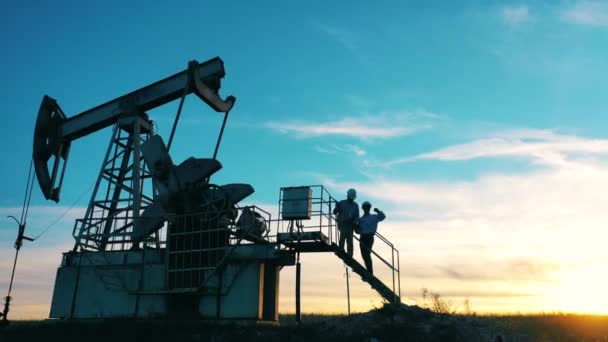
[(305, 242)]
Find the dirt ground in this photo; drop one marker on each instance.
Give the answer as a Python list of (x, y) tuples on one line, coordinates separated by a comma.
[(384, 324)]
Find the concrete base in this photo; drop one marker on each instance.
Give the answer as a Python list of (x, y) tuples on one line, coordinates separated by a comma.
[(113, 284)]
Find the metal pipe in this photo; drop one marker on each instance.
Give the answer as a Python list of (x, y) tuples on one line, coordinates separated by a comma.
[(8, 298), (393, 270), (347, 289), (219, 138), (219, 296), (179, 113), (19, 241), (398, 274), (298, 279), (27, 186)]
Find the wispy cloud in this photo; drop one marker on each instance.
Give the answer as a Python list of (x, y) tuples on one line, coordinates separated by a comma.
[(381, 126), (515, 15), (541, 146), (335, 149), (359, 101), (530, 230), (344, 37), (516, 268), (592, 13), (502, 230)]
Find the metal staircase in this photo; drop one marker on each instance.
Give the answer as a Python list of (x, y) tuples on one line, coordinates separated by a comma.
[(367, 277), (322, 245), (320, 234)]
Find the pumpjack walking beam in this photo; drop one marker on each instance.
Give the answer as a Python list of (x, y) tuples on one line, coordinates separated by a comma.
[(55, 131)]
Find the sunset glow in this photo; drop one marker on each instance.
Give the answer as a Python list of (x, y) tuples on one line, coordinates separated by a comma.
[(478, 128)]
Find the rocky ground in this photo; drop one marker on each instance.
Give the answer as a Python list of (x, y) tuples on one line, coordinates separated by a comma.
[(384, 324)]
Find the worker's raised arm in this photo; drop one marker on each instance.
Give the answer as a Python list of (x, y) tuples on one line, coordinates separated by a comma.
[(380, 213), (336, 204)]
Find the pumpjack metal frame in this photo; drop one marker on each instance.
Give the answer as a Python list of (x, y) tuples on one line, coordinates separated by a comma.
[(119, 194), (55, 132), (170, 264), (123, 188), (131, 248)]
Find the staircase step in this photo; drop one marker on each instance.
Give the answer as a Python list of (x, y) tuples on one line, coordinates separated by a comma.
[(369, 278)]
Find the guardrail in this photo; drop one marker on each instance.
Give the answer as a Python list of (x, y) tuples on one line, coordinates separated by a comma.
[(394, 268), (89, 234), (321, 215)]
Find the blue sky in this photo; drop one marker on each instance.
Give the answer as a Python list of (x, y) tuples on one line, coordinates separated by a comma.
[(473, 124)]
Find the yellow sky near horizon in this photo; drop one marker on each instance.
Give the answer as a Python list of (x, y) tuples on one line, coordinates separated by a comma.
[(508, 242), (324, 289)]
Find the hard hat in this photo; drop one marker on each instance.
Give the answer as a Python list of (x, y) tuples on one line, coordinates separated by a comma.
[(366, 204), (351, 193)]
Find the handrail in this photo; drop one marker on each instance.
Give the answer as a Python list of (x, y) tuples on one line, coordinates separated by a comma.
[(91, 234), (378, 255), (385, 240)]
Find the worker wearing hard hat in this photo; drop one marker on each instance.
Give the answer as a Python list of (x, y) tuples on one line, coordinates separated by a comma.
[(368, 225), (347, 212)]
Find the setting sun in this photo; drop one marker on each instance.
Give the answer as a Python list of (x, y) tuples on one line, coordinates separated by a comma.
[(583, 289)]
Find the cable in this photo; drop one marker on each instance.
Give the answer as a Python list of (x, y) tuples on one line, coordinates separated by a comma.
[(24, 211), (27, 190), (29, 199), (45, 230)]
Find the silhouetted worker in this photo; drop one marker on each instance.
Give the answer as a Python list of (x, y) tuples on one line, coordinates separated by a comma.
[(347, 212), (368, 225)]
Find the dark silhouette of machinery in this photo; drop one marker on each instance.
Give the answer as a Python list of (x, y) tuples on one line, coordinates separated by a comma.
[(161, 239), (155, 236)]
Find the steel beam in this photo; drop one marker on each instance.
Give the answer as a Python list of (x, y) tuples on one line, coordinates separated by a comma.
[(154, 95)]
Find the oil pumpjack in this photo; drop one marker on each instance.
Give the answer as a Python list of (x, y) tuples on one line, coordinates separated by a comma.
[(159, 239), (154, 238)]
